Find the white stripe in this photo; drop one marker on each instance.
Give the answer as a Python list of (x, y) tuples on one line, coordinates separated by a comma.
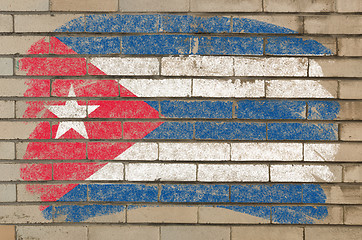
[(228, 88), (111, 171), (305, 173), (140, 151), (298, 89), (127, 66), (160, 172), (232, 173), (266, 151), (195, 151), (158, 88)]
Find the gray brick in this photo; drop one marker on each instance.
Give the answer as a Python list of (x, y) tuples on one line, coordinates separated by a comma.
[(102, 232), (9, 172), (343, 194), (18, 130), (351, 131), (21, 5), (194, 232), (350, 47), (6, 66), (7, 150), (353, 215), (18, 44), (52, 232), (84, 5), (334, 24), (7, 192), (267, 233), (352, 173), (335, 67), (350, 89), (7, 109), (6, 23), (41, 23), (299, 5), (333, 233), (352, 6), (226, 5), (154, 5)]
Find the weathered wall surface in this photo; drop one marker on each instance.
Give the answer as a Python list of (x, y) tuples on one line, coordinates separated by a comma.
[(181, 119)]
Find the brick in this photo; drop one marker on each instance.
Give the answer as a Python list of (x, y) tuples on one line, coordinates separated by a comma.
[(350, 47), (7, 232), (18, 44), (343, 152), (21, 214), (127, 66), (336, 24), (7, 150), (160, 172), (232, 173), (299, 5), (266, 151), (6, 66), (224, 216), (158, 87), (226, 6), (194, 232), (352, 215), (351, 132), (350, 111), (335, 67), (10, 172), (328, 110), (197, 66), (194, 151), (52, 232), (340, 194), (333, 233), (352, 6), (286, 67), (100, 232), (267, 233), (293, 24), (162, 214), (154, 5), (349, 89), (19, 5), (21, 130), (6, 23), (7, 109), (7, 193), (227, 88), (84, 5), (140, 151), (352, 173), (305, 173), (301, 89), (43, 23)]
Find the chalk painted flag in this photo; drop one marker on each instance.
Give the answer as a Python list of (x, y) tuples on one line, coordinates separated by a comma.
[(179, 111)]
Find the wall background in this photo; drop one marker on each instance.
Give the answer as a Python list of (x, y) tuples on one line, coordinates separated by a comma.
[(337, 24)]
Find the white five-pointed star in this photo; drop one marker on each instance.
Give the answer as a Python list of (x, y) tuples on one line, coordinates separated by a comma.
[(71, 109)]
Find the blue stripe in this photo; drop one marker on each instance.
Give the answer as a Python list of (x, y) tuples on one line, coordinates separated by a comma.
[(298, 214), (323, 110), (76, 213), (194, 193), (230, 131), (93, 45), (194, 24), (196, 109), (153, 23), (271, 109), (279, 193), (227, 46), (172, 130), (245, 25), (156, 44), (295, 46), (122, 23), (313, 193), (123, 193), (302, 131)]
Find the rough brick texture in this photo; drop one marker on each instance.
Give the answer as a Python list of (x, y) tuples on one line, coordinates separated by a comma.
[(180, 119)]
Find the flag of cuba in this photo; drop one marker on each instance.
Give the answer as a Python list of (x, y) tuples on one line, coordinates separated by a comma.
[(221, 117)]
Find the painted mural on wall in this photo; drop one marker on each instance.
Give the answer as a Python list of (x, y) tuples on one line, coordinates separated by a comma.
[(118, 153)]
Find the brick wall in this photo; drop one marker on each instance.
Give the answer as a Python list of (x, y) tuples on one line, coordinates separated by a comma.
[(180, 119)]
